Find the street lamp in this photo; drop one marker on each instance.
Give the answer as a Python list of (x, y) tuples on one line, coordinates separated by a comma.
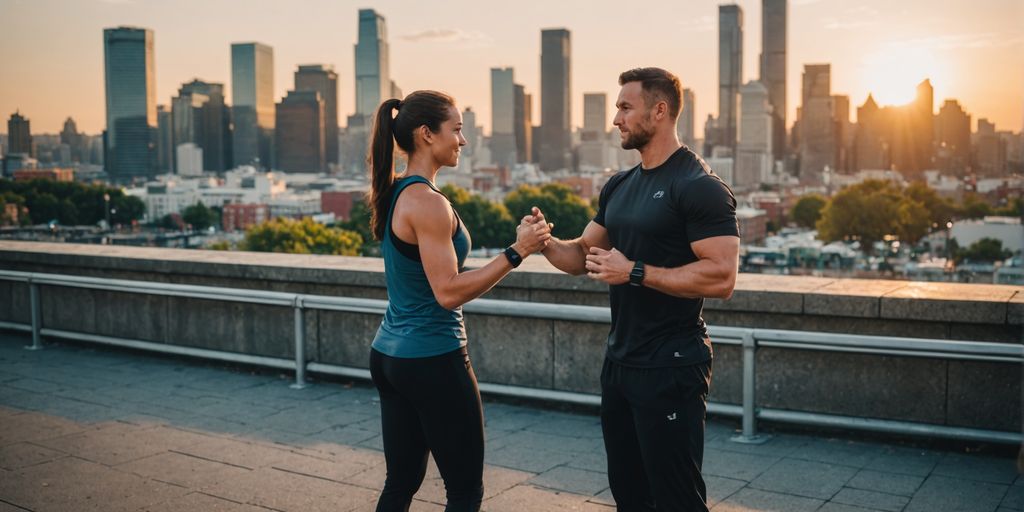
[(106, 209)]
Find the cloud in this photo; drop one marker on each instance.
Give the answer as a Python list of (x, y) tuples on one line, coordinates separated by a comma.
[(701, 24), (448, 35)]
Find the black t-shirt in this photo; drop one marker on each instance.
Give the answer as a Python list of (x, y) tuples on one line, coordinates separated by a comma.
[(653, 215)]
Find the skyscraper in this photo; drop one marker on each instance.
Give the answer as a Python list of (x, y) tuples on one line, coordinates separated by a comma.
[(593, 139), (200, 116), (164, 139), (523, 123), (687, 120), (912, 142), (871, 147), (19, 134), (503, 116), (300, 132), (730, 71), (818, 144), (470, 131), (130, 82), (323, 80), (844, 131), (953, 137), (754, 149), (373, 74), (774, 14), (252, 91), (555, 87)]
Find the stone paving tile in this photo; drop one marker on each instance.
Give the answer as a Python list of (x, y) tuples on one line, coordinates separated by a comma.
[(516, 457), (310, 421), (778, 445), (32, 426), (533, 499), (284, 491), (22, 455), (871, 499), (535, 441), (890, 483), (591, 461), (235, 452), (907, 461), (977, 467), (417, 506), (1014, 499), (720, 488), (182, 470), (336, 470), (198, 501), (7, 507), (572, 426), (804, 478), (740, 466), (79, 485), (940, 493), (373, 443), (116, 443), (496, 481), (349, 434), (751, 500), (837, 451), (839, 507), (578, 481)]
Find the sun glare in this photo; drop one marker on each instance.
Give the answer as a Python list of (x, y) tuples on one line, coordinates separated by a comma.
[(892, 74)]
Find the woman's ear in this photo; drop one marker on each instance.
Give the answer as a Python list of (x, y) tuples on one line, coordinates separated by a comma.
[(426, 134)]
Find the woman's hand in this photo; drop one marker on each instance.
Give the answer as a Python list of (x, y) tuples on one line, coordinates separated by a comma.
[(532, 234)]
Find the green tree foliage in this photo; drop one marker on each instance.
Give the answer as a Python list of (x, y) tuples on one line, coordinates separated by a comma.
[(867, 212), (986, 250), (974, 207), (807, 210), (199, 216), (489, 223), (359, 222), (301, 237), (939, 209), (560, 205), (73, 203)]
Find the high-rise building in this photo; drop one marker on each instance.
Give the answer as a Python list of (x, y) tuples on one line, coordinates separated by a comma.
[(990, 156), (523, 120), (470, 131), (774, 18), (200, 116), (252, 92), (687, 120), (555, 87), (69, 135), (130, 83), (730, 71), (818, 141), (844, 131), (300, 132), (373, 72), (164, 139), (19, 134), (912, 141), (593, 151), (754, 158), (871, 146), (953, 138), (503, 116), (323, 80)]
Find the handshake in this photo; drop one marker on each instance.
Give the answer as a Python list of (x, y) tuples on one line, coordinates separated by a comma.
[(533, 233)]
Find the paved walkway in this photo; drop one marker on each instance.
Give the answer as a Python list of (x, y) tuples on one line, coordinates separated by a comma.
[(94, 429)]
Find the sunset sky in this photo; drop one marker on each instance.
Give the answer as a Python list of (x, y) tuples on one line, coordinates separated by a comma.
[(52, 50)]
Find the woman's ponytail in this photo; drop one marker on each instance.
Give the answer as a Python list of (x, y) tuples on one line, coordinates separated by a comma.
[(382, 166)]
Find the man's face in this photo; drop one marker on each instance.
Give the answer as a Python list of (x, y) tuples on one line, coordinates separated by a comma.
[(633, 117)]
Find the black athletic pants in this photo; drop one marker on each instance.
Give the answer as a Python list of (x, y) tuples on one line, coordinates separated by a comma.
[(430, 405), (653, 423)]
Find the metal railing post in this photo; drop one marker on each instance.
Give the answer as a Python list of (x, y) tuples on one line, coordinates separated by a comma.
[(37, 316), (749, 434), (300, 346)]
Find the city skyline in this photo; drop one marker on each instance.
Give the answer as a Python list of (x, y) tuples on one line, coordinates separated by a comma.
[(961, 50)]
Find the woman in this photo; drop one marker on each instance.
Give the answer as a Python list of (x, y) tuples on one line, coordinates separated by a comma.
[(429, 398)]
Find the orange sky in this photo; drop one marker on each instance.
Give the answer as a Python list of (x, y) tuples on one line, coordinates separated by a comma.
[(972, 50)]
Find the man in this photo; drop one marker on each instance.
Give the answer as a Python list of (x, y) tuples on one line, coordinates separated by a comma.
[(665, 236)]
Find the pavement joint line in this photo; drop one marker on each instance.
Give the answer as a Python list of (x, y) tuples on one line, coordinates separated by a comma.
[(208, 460), (299, 473), (15, 505)]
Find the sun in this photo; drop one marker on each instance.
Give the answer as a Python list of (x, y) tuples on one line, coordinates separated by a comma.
[(891, 75)]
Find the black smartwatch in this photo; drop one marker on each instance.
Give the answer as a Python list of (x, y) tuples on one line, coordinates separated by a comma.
[(636, 277), (513, 257)]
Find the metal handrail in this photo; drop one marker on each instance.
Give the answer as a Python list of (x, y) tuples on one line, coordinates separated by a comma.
[(748, 339)]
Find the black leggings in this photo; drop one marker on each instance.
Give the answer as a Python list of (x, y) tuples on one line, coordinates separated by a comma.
[(430, 405)]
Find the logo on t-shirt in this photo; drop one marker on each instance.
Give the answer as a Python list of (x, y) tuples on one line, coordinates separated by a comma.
[(659, 194)]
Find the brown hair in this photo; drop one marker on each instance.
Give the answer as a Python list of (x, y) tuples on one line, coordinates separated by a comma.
[(658, 85), (421, 108)]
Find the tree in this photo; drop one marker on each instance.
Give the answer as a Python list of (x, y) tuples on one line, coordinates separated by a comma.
[(43, 207), (199, 216), (974, 207), (301, 237), (913, 220), (985, 250), (940, 210), (489, 224), (807, 210), (568, 211), (866, 212)]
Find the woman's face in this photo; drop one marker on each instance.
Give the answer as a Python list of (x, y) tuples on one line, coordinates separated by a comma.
[(448, 141)]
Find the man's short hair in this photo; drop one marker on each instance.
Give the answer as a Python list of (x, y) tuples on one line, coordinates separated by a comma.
[(657, 85)]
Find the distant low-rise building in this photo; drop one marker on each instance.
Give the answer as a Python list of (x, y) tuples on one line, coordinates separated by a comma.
[(339, 202), (753, 225), (236, 217), (1007, 230), (52, 174)]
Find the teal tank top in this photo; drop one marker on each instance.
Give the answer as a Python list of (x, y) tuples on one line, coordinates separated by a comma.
[(415, 325)]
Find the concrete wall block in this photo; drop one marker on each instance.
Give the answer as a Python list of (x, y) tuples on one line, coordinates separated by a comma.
[(14, 302), (345, 338), (579, 356), (132, 316), (508, 350), (984, 395), (726, 374), (231, 326), (67, 309), (570, 297), (852, 384), (1006, 333)]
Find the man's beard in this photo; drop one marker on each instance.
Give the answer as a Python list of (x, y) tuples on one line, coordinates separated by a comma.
[(638, 138)]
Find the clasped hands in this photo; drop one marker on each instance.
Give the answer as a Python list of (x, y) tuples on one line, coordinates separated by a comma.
[(609, 266)]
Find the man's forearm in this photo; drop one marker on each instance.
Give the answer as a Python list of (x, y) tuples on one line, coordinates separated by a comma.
[(569, 256), (702, 278)]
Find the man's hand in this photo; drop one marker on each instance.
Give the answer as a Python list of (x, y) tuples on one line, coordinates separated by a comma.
[(611, 266)]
